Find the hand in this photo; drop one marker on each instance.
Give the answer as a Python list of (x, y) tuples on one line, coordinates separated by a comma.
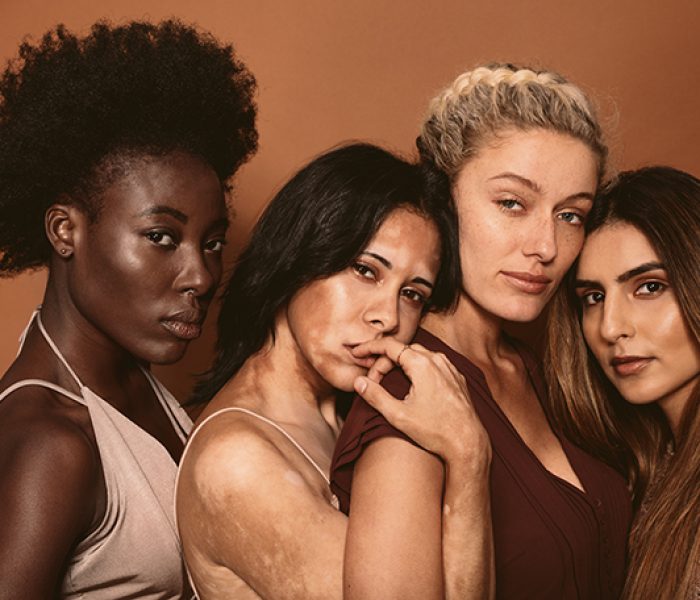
[(437, 412)]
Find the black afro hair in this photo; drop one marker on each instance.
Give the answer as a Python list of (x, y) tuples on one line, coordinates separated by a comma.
[(67, 104)]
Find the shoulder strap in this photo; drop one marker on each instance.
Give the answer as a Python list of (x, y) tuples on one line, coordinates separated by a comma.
[(55, 349), (270, 422), (41, 383)]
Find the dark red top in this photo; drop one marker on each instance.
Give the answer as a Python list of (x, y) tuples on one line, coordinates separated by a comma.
[(552, 541)]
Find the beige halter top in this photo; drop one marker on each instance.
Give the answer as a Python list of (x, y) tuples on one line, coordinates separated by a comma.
[(134, 552)]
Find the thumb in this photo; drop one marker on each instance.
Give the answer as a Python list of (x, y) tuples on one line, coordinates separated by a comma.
[(379, 399)]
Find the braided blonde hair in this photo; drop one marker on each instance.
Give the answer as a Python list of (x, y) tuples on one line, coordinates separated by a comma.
[(483, 101)]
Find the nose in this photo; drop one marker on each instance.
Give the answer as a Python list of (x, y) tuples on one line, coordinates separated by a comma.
[(616, 321), (541, 240), (383, 312), (196, 276)]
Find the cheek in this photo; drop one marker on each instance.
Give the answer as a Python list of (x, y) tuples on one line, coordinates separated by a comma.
[(569, 244)]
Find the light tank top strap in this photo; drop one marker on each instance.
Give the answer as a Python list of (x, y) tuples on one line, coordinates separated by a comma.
[(41, 383), (55, 349)]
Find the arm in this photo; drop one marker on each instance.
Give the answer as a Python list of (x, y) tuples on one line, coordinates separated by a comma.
[(48, 481), (398, 488), (248, 506)]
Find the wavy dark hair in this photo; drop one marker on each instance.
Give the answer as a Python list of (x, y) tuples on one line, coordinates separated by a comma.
[(71, 109), (317, 224), (663, 204)]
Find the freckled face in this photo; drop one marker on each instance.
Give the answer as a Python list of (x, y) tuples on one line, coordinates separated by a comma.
[(382, 293), (522, 201), (632, 322), (144, 273)]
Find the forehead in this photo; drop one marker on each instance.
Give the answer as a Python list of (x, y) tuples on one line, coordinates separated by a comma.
[(614, 249), (179, 181), (408, 237), (556, 162)]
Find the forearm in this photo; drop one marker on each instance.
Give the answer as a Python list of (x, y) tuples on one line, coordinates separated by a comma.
[(467, 545)]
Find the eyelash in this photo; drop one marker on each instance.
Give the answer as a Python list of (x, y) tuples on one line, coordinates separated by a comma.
[(662, 288), (410, 294), (579, 218), (587, 299), (363, 270), (157, 236), (507, 205)]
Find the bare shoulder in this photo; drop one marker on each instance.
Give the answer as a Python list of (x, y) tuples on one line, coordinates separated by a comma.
[(46, 437), (232, 457)]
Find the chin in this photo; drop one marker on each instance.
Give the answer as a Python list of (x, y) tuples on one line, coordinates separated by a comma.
[(521, 312)]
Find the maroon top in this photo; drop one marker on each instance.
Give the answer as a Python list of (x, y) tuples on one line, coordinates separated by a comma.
[(552, 541)]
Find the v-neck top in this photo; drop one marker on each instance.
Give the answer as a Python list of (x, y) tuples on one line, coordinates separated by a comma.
[(552, 540), (134, 552)]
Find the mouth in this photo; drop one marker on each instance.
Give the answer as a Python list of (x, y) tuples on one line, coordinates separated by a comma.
[(364, 362), (529, 283), (625, 366), (185, 325)]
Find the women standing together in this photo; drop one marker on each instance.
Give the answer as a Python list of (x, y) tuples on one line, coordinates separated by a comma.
[(481, 482)]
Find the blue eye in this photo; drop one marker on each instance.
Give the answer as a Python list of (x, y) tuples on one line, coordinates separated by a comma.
[(510, 205), (571, 217)]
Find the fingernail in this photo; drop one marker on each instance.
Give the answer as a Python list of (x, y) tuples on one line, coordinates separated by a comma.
[(360, 385)]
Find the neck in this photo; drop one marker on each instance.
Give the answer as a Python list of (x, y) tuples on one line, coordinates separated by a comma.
[(280, 383), (470, 330), (96, 359)]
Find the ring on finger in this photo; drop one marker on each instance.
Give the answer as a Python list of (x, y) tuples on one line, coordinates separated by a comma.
[(398, 358)]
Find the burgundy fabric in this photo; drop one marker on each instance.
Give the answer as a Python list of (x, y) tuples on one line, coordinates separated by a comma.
[(552, 541)]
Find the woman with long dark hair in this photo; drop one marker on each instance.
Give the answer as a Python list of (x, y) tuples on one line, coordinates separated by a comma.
[(356, 246), (624, 366)]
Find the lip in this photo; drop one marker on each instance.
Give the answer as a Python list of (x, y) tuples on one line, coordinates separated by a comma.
[(185, 325), (629, 365), (365, 363), (529, 283)]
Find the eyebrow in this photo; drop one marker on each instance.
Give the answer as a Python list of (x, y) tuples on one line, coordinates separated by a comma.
[(536, 188), (388, 265), (626, 276), (160, 209)]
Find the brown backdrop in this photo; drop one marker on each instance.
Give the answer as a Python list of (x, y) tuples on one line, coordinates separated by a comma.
[(334, 70)]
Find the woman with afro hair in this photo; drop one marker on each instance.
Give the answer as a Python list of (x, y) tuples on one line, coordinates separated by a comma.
[(115, 149)]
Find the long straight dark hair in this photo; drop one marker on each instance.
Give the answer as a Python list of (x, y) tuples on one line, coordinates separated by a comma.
[(317, 225), (663, 204)]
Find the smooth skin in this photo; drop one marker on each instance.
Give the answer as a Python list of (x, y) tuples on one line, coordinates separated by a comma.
[(632, 322), (152, 257), (521, 203), (255, 517)]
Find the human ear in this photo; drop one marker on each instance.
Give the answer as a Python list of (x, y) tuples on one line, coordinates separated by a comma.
[(61, 224)]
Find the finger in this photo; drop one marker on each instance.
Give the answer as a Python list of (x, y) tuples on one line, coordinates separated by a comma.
[(379, 399), (380, 368), (388, 346)]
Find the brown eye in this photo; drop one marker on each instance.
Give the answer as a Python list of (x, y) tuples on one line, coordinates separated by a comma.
[(364, 270), (161, 238)]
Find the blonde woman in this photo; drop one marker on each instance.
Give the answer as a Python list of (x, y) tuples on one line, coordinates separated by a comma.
[(524, 155), (630, 317)]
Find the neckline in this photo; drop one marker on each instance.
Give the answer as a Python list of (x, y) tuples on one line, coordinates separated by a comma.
[(163, 400), (529, 367)]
